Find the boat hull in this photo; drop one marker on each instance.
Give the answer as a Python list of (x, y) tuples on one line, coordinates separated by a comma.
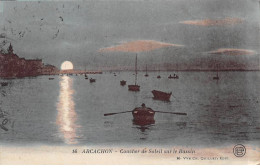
[(159, 95), (134, 88), (123, 83), (173, 77), (143, 115)]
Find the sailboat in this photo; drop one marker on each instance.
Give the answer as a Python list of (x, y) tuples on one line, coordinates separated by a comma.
[(134, 87), (146, 74), (86, 76), (158, 76), (216, 77)]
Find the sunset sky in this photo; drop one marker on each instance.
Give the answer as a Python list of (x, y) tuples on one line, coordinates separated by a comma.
[(110, 33)]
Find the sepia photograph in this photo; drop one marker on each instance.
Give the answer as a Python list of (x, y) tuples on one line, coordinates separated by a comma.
[(127, 82)]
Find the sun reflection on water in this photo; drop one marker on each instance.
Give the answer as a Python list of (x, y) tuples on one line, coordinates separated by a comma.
[(66, 112)]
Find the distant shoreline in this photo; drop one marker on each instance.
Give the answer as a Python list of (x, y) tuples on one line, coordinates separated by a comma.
[(110, 71), (189, 70)]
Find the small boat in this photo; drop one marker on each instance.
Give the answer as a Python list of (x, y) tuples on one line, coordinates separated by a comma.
[(174, 76), (122, 82), (143, 114), (4, 83), (216, 77), (146, 74), (86, 76), (91, 80), (51, 78), (159, 95), (134, 87), (159, 76)]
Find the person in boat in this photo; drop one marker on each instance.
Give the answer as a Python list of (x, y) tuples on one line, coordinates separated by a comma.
[(144, 107)]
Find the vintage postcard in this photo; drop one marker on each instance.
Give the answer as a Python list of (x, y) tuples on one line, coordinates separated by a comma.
[(129, 82)]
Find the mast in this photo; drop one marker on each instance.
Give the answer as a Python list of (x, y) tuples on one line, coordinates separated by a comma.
[(135, 69), (217, 69)]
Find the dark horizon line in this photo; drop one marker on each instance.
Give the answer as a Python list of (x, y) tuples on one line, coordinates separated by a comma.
[(213, 70)]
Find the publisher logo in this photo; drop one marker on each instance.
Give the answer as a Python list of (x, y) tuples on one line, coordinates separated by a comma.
[(239, 150)]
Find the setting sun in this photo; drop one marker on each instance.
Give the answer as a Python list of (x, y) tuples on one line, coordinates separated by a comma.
[(66, 65)]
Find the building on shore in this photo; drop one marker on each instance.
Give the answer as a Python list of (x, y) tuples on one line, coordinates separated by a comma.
[(49, 70), (12, 66)]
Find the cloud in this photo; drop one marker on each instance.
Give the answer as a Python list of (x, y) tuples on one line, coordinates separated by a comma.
[(232, 51), (212, 22), (139, 46)]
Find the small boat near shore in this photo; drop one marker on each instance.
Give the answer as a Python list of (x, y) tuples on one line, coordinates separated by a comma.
[(51, 78), (159, 95)]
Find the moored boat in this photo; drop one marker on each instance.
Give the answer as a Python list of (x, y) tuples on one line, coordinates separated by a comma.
[(134, 87), (146, 74), (91, 80), (122, 82), (216, 77), (174, 76), (159, 95)]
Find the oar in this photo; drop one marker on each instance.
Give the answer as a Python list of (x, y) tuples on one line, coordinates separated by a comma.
[(107, 114), (171, 112)]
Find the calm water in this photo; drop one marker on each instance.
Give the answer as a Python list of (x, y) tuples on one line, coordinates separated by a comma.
[(69, 110)]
